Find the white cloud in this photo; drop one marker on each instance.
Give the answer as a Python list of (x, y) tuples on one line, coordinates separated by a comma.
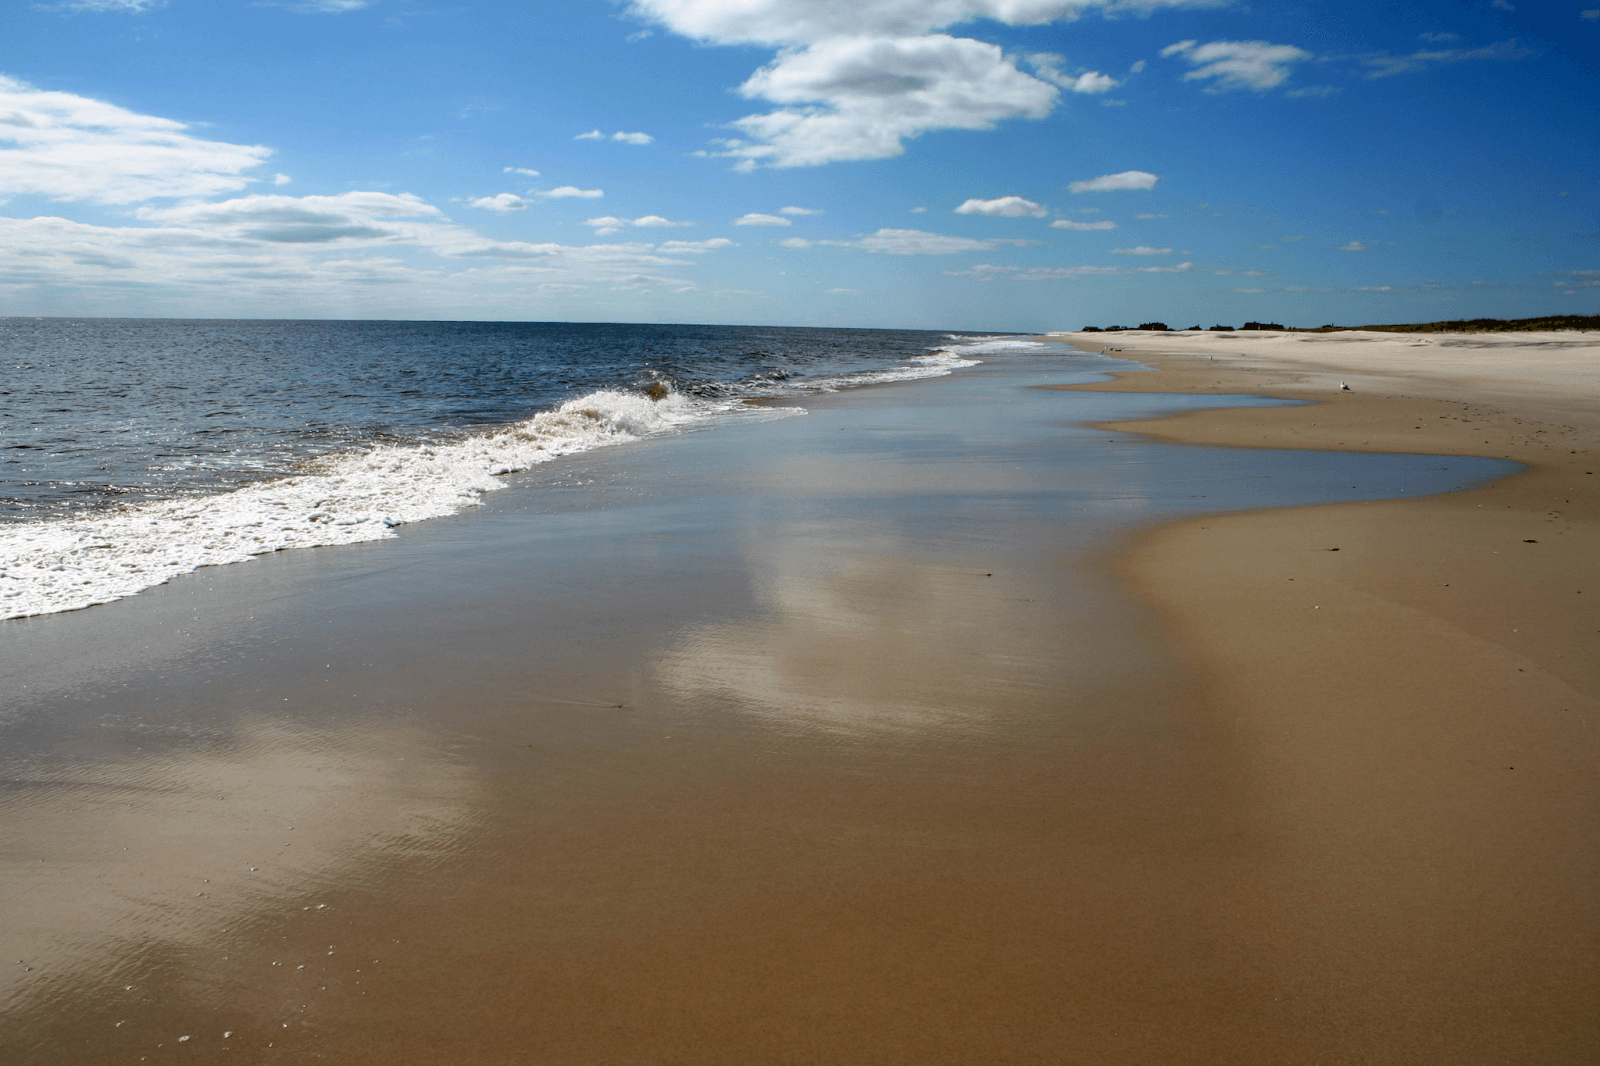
[(1248, 290), (351, 216), (1354, 246), (625, 138), (1143, 249), (1294, 238), (565, 192), (281, 179), (1313, 92), (67, 147), (757, 219), (502, 203), (1067, 223), (1149, 216), (1179, 269), (788, 22), (1004, 207), (856, 80), (1128, 179), (799, 211), (1049, 67), (520, 170), (861, 98), (843, 292), (1237, 65), (1373, 288), (794, 242), (694, 247), (277, 256), (1439, 38), (920, 242), (1384, 65), (610, 224), (918, 210)]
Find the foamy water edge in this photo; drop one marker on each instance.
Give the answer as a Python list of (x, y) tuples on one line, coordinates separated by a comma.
[(56, 565)]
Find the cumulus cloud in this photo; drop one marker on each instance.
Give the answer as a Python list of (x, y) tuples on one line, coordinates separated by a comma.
[(1067, 223), (694, 247), (281, 255), (1004, 207), (1143, 249), (1149, 216), (361, 216), (1050, 67), (799, 211), (790, 22), (520, 170), (794, 242), (502, 203), (624, 138), (1234, 65), (609, 224), (856, 80), (757, 219), (564, 192), (67, 147), (1127, 179), (281, 179), (1354, 246), (861, 98), (1384, 65), (921, 242)]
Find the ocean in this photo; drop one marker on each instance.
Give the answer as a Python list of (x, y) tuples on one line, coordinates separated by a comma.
[(136, 450)]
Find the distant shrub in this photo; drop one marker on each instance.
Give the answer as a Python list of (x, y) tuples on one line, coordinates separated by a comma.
[(1153, 325), (1220, 329), (1193, 328), (1091, 329), (1496, 325), (1262, 325), (1115, 329)]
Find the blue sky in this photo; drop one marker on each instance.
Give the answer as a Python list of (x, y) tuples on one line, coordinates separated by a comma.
[(968, 164)]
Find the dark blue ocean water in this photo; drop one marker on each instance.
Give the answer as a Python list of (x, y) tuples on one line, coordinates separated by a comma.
[(135, 450), (98, 411)]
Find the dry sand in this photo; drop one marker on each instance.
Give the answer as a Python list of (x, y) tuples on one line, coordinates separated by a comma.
[(1417, 682)]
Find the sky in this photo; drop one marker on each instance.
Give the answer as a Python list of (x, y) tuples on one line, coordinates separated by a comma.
[(1012, 165)]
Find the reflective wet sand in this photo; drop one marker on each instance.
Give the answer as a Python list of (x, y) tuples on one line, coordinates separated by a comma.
[(817, 740)]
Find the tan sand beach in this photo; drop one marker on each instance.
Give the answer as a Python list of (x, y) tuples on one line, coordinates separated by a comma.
[(841, 739), (1417, 681)]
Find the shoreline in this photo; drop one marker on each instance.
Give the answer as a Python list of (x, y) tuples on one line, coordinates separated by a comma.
[(1417, 681), (820, 739)]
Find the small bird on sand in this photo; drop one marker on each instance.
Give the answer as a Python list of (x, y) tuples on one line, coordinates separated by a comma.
[(1343, 387)]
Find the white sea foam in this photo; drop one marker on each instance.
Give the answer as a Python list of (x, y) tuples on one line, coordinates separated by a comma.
[(66, 564)]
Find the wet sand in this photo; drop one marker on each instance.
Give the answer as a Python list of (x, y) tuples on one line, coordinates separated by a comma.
[(825, 740), (1417, 682)]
